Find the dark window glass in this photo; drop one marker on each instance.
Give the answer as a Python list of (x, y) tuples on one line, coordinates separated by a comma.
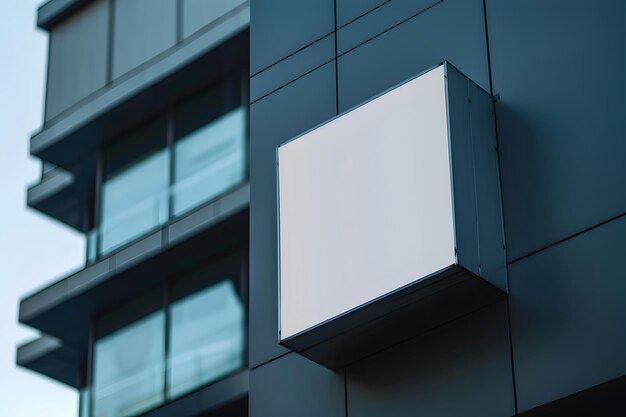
[(207, 337), (200, 317), (210, 149), (135, 187), (129, 369)]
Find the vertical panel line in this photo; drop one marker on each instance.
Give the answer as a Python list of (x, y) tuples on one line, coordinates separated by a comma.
[(245, 103), (470, 104), (506, 268), (90, 366), (244, 294), (345, 390), (170, 152), (97, 209), (166, 342), (488, 46), (508, 318)]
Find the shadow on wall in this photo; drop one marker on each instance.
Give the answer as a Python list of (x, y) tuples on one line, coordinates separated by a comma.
[(467, 359)]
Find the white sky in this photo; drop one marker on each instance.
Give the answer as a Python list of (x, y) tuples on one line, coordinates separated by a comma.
[(34, 250)]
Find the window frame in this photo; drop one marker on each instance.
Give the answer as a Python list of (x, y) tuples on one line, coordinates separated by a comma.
[(232, 266), (236, 82)]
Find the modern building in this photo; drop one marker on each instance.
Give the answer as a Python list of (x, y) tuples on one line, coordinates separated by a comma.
[(144, 148), (192, 304), (555, 345)]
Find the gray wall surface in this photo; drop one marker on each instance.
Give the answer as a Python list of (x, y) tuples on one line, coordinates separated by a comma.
[(561, 126), (449, 371), (295, 386)]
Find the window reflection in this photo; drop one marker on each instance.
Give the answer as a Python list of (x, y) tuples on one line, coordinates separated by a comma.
[(134, 201), (207, 337), (129, 368), (148, 178), (200, 318), (135, 188), (209, 161)]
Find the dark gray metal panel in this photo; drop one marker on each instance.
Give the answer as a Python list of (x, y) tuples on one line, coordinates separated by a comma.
[(236, 200), (281, 27), (141, 30), (561, 117), (138, 251), (487, 180), (210, 400), (77, 63), (415, 45), (348, 10), (606, 399), (191, 223), (53, 11), (378, 21), (568, 315), (36, 348), (414, 310), (32, 304), (208, 215), (274, 119), (463, 180), (64, 195), (292, 67), (294, 386), (48, 356), (89, 277), (198, 13), (54, 182), (460, 369)]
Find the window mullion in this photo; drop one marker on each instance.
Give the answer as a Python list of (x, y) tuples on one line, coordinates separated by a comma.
[(97, 209), (170, 155), (166, 310), (90, 367)]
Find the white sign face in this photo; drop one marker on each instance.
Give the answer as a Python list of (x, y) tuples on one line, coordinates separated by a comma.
[(365, 204)]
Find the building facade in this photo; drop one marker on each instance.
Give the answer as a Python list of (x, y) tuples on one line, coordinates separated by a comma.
[(144, 148), (555, 345), (159, 142)]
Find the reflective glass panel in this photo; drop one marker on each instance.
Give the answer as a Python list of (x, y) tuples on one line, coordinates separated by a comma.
[(134, 192), (129, 368), (92, 245), (209, 160), (207, 337)]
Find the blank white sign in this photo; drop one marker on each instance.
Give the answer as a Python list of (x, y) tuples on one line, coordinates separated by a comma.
[(365, 204)]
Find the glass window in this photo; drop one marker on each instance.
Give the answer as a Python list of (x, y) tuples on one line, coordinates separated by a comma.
[(200, 318), (129, 368), (134, 192), (173, 164), (210, 146), (207, 337)]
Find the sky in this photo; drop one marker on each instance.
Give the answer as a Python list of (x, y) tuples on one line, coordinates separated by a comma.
[(34, 249)]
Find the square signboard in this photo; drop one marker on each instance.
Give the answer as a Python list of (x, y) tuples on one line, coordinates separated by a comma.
[(366, 211)]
